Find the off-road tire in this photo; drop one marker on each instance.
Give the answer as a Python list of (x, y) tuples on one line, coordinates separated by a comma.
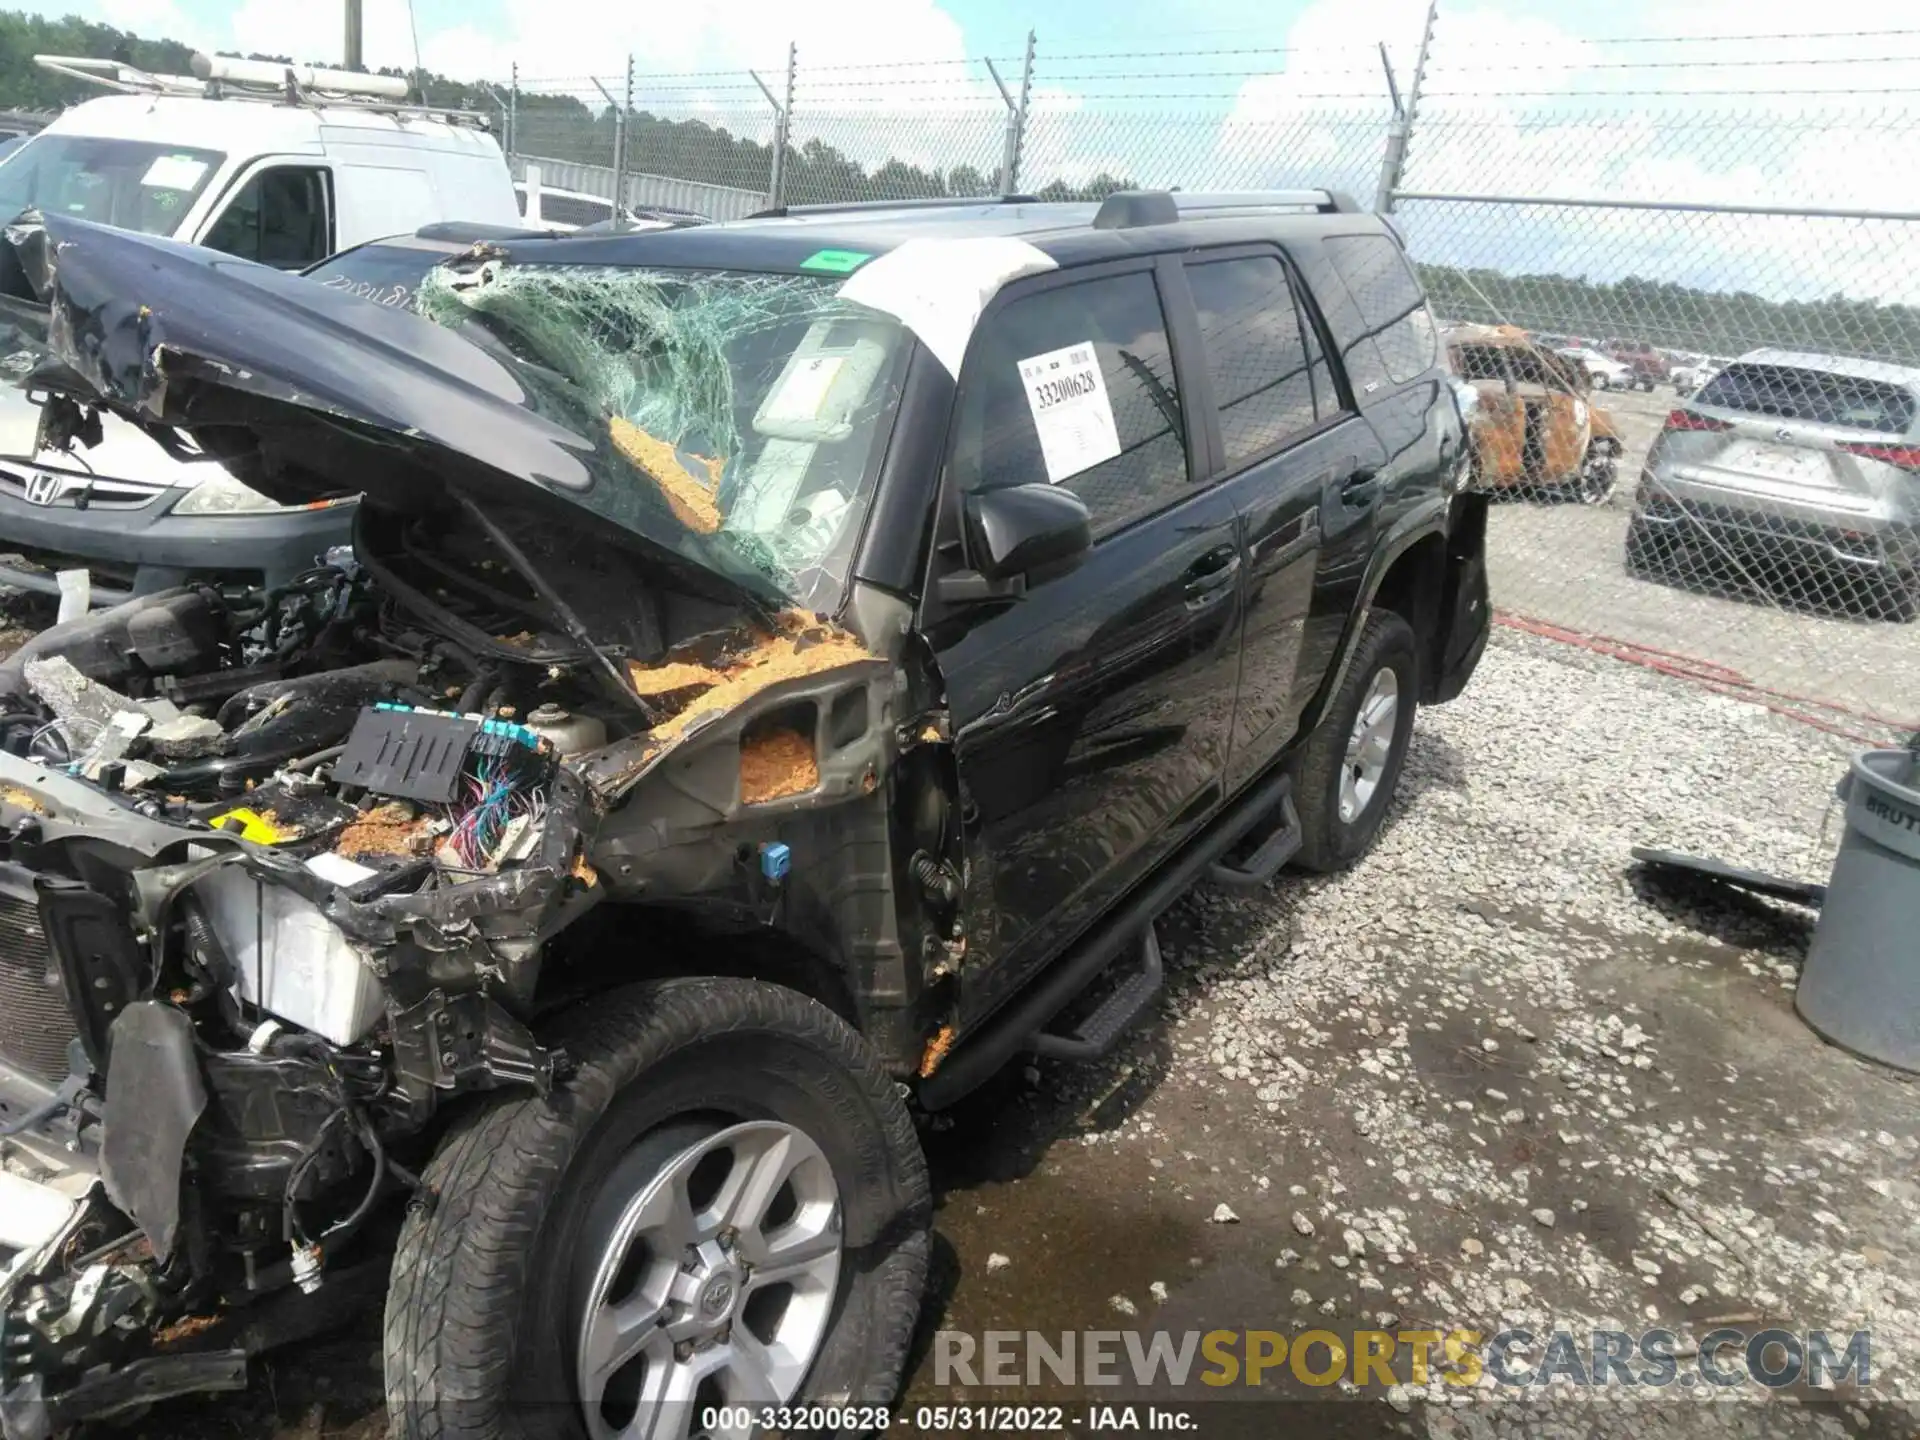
[(479, 1336), (1329, 843)]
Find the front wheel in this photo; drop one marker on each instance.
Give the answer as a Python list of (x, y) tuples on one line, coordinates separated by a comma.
[(726, 1206), (1352, 761), (1598, 474)]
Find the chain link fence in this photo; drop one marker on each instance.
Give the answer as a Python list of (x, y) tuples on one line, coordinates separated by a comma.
[(1678, 273)]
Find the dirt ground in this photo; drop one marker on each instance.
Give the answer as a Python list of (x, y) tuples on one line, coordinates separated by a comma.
[(1491, 1078)]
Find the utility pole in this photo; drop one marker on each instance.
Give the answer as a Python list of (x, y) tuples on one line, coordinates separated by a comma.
[(354, 35), (1394, 162)]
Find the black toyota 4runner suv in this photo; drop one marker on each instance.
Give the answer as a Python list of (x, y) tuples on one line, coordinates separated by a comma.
[(782, 671)]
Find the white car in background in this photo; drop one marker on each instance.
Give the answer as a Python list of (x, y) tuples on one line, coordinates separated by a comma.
[(1605, 372), (1691, 378), (567, 211)]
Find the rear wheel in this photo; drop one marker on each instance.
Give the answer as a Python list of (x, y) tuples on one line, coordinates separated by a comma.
[(1598, 474), (1646, 552), (726, 1205), (1903, 599), (1352, 761)]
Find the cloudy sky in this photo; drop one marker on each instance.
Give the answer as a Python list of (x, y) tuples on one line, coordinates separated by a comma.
[(562, 37), (1769, 102)]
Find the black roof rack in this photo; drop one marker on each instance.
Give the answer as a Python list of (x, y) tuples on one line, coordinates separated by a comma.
[(1132, 209), (781, 212)]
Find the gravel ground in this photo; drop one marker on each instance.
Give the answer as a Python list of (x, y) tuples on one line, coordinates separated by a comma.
[(1488, 1078), (1563, 563)]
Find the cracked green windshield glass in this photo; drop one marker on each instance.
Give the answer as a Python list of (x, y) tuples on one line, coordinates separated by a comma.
[(737, 418)]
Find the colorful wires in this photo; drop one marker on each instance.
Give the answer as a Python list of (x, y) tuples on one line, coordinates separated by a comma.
[(494, 800)]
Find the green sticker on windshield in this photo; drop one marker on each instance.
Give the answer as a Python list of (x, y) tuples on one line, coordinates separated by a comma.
[(836, 262)]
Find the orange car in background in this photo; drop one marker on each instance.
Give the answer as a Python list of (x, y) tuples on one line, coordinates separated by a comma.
[(1534, 428)]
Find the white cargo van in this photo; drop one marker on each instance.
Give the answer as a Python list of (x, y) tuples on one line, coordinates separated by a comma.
[(279, 164), (276, 163)]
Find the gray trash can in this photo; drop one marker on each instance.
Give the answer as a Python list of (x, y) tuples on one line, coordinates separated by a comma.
[(1861, 984)]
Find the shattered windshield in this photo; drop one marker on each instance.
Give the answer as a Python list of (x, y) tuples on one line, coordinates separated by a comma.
[(738, 418)]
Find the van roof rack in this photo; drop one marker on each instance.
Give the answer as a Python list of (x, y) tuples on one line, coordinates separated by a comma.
[(226, 77), (1133, 209)]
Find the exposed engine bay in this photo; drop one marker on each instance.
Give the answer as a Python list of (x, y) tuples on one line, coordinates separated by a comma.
[(309, 858), (283, 873)]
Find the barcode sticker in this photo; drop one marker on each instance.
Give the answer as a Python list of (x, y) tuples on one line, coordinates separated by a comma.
[(1071, 410)]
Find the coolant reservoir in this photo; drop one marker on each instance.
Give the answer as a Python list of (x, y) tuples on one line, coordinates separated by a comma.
[(569, 734)]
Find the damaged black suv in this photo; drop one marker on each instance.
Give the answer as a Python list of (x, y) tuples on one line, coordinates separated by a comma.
[(782, 671)]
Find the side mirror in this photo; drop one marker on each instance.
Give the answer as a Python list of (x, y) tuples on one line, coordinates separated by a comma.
[(1014, 531)]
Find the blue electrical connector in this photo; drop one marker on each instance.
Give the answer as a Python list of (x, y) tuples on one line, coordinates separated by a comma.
[(775, 861)]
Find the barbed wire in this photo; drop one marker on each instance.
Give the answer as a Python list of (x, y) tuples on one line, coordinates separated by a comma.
[(1692, 39), (1439, 63)]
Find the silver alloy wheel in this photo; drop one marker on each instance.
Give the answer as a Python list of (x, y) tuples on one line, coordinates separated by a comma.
[(716, 1286), (1369, 745)]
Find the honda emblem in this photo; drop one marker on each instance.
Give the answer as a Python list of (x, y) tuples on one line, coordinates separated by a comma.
[(42, 488), (1783, 434)]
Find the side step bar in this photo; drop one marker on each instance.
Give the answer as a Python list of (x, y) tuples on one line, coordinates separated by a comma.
[(1003, 1034), (1094, 1035), (1253, 872)]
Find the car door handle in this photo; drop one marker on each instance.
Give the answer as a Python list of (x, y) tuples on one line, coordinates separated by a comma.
[(1206, 586), (1361, 487)]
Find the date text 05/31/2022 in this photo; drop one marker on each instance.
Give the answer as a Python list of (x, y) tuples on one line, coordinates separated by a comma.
[(950, 1419)]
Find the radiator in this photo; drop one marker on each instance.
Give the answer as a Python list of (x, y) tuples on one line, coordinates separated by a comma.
[(35, 1021)]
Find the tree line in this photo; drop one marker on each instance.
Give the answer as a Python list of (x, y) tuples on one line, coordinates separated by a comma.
[(562, 127), (1675, 317)]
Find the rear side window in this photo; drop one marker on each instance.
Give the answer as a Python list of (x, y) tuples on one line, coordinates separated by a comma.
[(386, 273), (574, 210), (1390, 300), (1270, 380), (1092, 364), (1479, 362), (1819, 397)]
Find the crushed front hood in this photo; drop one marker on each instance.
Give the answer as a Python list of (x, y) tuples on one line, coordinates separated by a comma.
[(307, 393)]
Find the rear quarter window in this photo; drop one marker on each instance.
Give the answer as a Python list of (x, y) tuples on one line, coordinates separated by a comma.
[(1391, 303), (384, 274), (1817, 397)]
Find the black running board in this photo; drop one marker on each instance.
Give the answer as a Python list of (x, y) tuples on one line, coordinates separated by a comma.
[(1094, 1035), (1275, 851)]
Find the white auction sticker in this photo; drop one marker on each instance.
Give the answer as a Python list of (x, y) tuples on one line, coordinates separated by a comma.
[(1071, 411), (174, 172)]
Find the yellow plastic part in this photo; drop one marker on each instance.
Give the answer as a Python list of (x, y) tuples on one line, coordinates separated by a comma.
[(252, 825)]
